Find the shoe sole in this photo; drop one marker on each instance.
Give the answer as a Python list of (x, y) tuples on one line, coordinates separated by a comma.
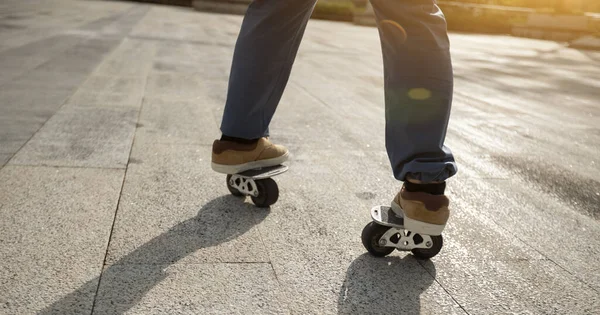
[(416, 226), (239, 168)]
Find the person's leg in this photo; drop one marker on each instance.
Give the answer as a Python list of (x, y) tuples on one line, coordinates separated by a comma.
[(418, 96), (263, 57), (264, 54)]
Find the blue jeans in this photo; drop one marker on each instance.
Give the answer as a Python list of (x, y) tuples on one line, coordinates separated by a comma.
[(417, 72)]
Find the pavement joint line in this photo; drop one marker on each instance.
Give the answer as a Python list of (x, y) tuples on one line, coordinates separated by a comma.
[(42, 126), (65, 101), (445, 290), (195, 264), (545, 256), (109, 238), (514, 259), (272, 267), (177, 40), (262, 240), (307, 91), (67, 166), (104, 75), (526, 116), (110, 235), (569, 272), (83, 40), (58, 54), (180, 144)]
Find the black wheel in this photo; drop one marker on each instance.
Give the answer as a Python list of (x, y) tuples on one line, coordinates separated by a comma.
[(268, 193), (371, 234), (233, 190), (426, 253)]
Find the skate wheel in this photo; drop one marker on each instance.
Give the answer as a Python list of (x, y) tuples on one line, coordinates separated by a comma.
[(371, 234), (426, 253), (233, 190), (268, 193)]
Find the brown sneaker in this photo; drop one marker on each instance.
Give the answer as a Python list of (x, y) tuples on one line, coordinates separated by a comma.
[(423, 213), (232, 158)]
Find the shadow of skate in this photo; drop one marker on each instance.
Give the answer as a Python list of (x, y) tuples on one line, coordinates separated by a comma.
[(389, 285), (122, 287)]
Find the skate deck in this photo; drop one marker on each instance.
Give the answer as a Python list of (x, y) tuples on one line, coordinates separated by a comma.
[(265, 172), (384, 215)]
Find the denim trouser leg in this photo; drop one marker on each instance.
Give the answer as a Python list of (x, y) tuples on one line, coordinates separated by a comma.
[(264, 54), (418, 78), (418, 88)]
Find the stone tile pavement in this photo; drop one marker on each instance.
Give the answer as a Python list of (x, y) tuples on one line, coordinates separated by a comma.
[(108, 204)]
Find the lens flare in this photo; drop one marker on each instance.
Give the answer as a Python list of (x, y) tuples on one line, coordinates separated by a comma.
[(419, 94), (396, 27)]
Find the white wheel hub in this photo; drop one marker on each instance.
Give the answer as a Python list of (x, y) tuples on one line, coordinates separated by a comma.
[(246, 186)]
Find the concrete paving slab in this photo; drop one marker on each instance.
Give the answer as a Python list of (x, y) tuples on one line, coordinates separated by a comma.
[(114, 84), (502, 287), (23, 98), (217, 30), (31, 97), (54, 233), (132, 58), (177, 122), (392, 285), (14, 38), (581, 193), (81, 58), (111, 91), (190, 289), (362, 285), (183, 57), (25, 108), (15, 131), (91, 137), (88, 98), (172, 86), (469, 236), (175, 209), (4, 158), (43, 80), (514, 210), (367, 121), (477, 164), (68, 57), (175, 214), (20, 59), (323, 125), (23, 112)]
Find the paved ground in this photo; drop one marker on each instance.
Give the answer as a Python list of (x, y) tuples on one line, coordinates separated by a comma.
[(108, 204)]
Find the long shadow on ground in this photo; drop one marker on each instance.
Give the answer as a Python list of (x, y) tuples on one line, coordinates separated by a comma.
[(390, 285), (220, 220)]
